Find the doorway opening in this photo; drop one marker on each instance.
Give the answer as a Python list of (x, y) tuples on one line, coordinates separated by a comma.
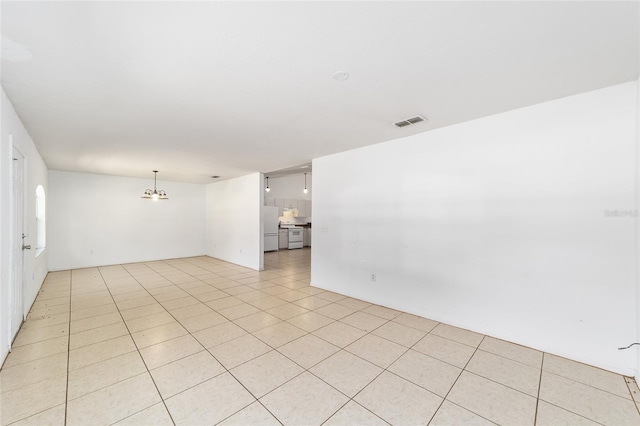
[(287, 217)]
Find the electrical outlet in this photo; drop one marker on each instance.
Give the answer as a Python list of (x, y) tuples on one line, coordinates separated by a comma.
[(373, 277)]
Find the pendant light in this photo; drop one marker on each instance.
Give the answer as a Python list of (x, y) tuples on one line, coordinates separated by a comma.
[(267, 188), (305, 184), (155, 194)]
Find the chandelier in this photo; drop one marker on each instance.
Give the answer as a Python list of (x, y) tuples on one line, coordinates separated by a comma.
[(155, 194)]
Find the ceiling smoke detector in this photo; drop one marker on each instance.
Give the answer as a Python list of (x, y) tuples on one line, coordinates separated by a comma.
[(409, 121), (340, 75)]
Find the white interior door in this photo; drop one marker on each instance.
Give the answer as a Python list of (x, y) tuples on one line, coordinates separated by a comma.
[(17, 256)]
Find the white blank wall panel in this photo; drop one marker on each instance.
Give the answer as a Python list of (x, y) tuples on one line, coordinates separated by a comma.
[(101, 220), (497, 225), (234, 225)]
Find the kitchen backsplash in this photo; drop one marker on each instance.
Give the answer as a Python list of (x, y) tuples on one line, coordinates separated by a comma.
[(295, 220)]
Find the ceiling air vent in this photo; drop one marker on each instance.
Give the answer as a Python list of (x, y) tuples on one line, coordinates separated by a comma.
[(410, 121)]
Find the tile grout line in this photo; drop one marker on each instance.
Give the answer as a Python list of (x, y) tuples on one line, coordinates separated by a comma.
[(590, 386), (2, 368), (387, 320), (535, 419), (178, 321), (204, 348), (272, 348), (218, 361), (557, 406), (507, 358), (637, 404), (250, 393), (358, 356), (574, 413), (69, 326), (251, 333), (378, 375), (138, 349), (408, 349), (196, 263), (352, 398), (477, 348), (136, 345), (462, 370), (66, 396), (246, 302), (386, 369)]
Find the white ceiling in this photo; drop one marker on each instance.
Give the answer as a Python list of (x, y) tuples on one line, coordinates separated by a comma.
[(195, 89)]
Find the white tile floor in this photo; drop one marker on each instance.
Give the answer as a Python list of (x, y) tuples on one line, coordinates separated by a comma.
[(199, 341)]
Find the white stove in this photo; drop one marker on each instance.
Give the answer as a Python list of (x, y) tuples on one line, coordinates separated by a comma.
[(296, 237)]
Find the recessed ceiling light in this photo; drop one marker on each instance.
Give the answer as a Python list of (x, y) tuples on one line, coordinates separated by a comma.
[(304, 167), (215, 177), (340, 76)]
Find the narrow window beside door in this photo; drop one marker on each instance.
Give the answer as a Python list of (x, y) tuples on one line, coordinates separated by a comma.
[(41, 213)]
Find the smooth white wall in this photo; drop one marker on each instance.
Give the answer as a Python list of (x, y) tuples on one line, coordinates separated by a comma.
[(35, 268), (290, 187), (496, 225), (101, 220), (234, 225)]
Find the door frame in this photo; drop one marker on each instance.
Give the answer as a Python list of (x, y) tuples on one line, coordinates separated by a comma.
[(13, 290)]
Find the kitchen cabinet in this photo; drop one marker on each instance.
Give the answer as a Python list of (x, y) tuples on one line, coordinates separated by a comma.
[(302, 208), (283, 239), (279, 202)]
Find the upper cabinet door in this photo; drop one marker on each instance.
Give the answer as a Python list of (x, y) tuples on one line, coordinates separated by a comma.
[(302, 208), (279, 202)]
